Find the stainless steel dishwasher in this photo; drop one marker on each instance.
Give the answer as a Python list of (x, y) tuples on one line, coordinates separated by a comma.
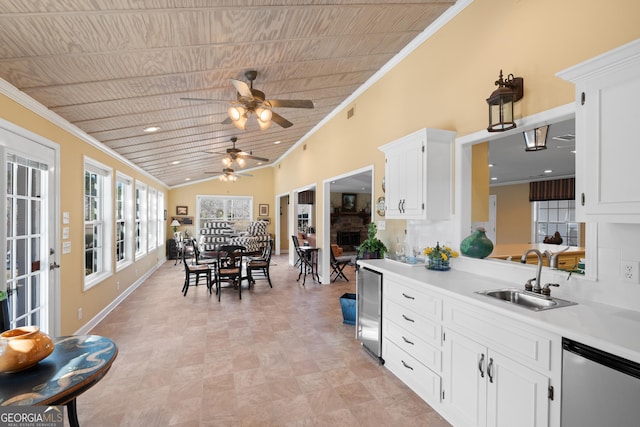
[(598, 389), (369, 311)]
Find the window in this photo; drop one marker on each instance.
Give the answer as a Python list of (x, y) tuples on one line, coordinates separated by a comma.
[(553, 216), (162, 232), (141, 219), (97, 222), (236, 209), (153, 219), (124, 221)]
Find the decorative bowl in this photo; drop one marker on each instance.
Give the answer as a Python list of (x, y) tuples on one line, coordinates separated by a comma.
[(23, 347)]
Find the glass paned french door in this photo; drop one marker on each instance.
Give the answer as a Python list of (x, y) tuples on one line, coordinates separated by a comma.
[(30, 281)]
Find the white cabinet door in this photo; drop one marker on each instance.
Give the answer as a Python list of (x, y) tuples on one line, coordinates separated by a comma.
[(403, 170), (464, 388), (418, 175), (484, 388), (516, 395), (607, 128)]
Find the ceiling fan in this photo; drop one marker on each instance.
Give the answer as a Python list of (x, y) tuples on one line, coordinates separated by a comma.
[(228, 175), (253, 101), (237, 155)]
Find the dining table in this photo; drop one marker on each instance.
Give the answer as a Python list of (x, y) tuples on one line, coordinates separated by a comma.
[(76, 364)]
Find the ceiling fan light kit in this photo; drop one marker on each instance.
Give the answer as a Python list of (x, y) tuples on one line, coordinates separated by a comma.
[(253, 101), (510, 90), (234, 155)]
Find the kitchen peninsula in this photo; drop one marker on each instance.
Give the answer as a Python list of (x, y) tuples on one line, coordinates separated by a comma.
[(567, 259), (475, 358)]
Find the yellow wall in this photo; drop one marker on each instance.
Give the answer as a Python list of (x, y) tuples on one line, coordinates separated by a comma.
[(513, 213), (442, 84), (480, 178), (72, 152)]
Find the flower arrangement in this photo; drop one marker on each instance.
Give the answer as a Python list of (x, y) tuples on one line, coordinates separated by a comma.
[(439, 257)]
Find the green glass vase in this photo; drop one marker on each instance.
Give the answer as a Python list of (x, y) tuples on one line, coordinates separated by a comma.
[(477, 245)]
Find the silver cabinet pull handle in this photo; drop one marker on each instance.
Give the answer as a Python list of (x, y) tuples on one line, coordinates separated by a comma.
[(408, 319), (406, 366), (490, 369), (481, 366), (407, 341), (407, 296)]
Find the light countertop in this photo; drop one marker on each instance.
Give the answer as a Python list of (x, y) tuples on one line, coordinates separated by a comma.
[(516, 250), (609, 328)]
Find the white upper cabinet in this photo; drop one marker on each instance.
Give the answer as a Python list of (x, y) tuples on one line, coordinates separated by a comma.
[(418, 175), (608, 135)]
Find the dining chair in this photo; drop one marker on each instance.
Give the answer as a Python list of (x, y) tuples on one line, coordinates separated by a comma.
[(296, 246), (260, 265), (192, 270), (337, 266), (229, 268), (203, 258)]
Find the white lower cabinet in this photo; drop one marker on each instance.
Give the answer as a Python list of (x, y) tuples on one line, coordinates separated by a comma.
[(485, 388), (474, 366), (412, 337)]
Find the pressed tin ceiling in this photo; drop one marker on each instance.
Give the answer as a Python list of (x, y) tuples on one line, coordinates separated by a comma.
[(114, 67)]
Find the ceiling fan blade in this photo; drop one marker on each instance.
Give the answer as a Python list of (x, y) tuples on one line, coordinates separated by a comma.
[(226, 121), (242, 88), (203, 100), (215, 152), (290, 103), (281, 121), (243, 174), (217, 172), (260, 159), (246, 155)]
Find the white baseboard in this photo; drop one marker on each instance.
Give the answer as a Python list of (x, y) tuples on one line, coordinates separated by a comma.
[(87, 327)]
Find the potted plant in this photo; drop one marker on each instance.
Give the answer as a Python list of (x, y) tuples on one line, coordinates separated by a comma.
[(372, 247)]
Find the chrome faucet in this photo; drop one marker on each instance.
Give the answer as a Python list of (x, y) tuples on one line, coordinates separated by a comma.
[(535, 288), (553, 257)]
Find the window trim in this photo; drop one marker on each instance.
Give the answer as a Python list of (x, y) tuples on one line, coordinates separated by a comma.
[(129, 224), (225, 199), (106, 209), (141, 219), (162, 232), (152, 219)]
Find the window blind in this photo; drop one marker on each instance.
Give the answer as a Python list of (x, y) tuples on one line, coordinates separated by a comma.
[(556, 189)]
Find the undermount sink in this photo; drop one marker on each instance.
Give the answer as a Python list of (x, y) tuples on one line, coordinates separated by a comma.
[(530, 300)]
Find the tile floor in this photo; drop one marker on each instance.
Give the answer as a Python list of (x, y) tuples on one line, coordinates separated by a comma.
[(278, 357)]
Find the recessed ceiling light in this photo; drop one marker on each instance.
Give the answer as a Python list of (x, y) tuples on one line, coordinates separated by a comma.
[(490, 165), (277, 142), (567, 137), (493, 178), (548, 171), (175, 162), (151, 129), (187, 179)]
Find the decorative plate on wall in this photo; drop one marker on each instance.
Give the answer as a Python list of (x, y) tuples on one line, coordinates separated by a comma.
[(380, 205)]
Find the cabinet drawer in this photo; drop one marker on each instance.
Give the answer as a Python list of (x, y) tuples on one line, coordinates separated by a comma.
[(418, 377), (519, 342), (429, 355), (412, 322), (420, 301)]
